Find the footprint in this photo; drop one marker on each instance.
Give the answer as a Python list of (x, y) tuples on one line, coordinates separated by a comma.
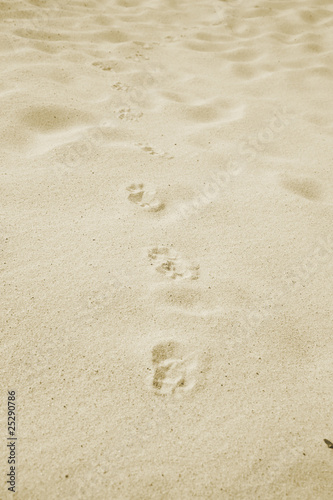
[(128, 115), (104, 66), (168, 262), (305, 187), (145, 199), (138, 56), (174, 372), (151, 151), (120, 86)]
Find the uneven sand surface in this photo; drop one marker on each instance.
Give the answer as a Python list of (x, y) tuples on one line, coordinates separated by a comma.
[(167, 248)]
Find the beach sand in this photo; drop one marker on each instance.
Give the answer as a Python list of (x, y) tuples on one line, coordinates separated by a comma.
[(167, 248)]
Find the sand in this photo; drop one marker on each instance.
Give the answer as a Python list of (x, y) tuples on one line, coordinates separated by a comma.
[(167, 248)]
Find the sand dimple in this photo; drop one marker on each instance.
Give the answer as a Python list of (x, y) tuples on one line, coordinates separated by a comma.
[(174, 371), (51, 118), (188, 299), (168, 262), (145, 199), (305, 187)]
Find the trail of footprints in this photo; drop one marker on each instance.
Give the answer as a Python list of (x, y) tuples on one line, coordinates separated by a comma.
[(174, 372)]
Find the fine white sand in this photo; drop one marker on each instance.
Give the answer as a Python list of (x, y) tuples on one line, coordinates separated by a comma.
[(167, 248)]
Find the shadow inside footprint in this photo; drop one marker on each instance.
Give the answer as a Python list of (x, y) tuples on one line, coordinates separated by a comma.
[(161, 352), (159, 376)]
